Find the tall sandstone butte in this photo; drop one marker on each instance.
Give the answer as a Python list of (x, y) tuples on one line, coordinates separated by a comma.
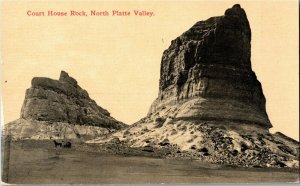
[(64, 100), (211, 106), (211, 64)]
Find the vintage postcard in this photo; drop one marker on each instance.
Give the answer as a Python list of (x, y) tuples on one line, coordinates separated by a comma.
[(139, 92)]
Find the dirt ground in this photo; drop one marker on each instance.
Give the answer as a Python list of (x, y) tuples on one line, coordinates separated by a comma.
[(39, 162)]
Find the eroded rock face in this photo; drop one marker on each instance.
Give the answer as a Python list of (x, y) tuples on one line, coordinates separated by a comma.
[(64, 100), (211, 62)]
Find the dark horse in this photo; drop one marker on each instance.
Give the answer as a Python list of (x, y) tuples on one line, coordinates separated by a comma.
[(67, 145), (57, 144)]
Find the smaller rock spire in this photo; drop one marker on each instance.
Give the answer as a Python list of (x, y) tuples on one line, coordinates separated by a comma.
[(64, 76)]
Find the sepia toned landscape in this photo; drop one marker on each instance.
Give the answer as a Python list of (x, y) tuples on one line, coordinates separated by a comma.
[(208, 124)]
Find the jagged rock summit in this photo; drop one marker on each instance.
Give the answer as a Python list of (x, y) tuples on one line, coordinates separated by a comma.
[(210, 63), (53, 108), (64, 100), (210, 105)]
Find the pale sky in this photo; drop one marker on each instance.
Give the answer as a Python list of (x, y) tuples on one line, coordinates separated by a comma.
[(117, 59)]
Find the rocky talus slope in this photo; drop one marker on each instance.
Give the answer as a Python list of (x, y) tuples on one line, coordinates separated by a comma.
[(23, 129), (210, 104), (53, 106)]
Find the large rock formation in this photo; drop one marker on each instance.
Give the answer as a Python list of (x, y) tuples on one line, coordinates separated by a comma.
[(64, 100), (211, 106), (211, 63)]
